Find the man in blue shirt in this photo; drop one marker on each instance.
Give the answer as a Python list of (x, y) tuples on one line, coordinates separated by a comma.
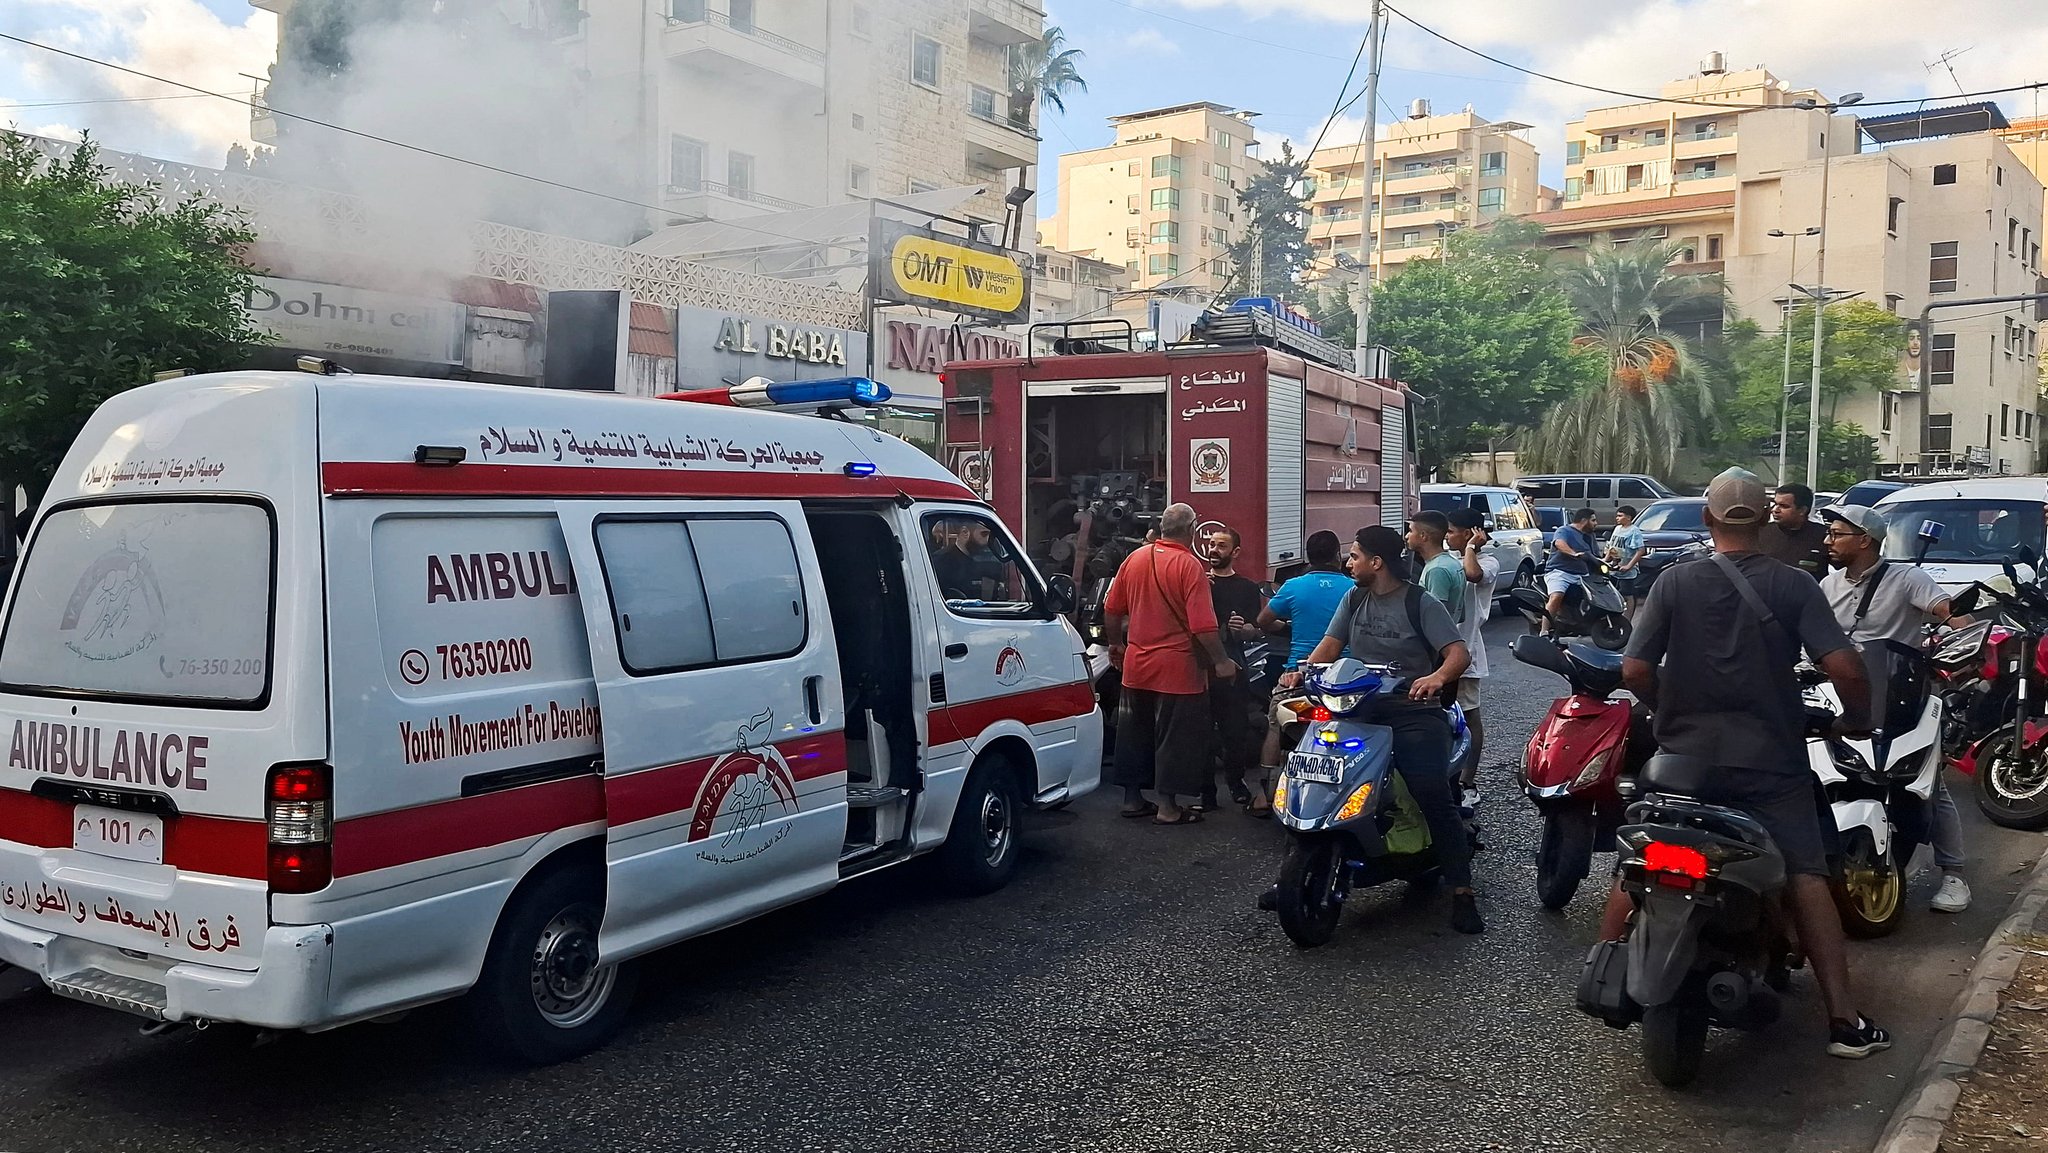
[(1302, 608), (1627, 548), (1570, 551)]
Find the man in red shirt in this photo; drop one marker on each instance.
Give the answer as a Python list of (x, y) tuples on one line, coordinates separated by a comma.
[(1163, 635)]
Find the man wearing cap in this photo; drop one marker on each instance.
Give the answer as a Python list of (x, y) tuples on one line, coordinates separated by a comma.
[(1714, 653), (1877, 601)]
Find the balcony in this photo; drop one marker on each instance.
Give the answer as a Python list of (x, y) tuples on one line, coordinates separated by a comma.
[(999, 141), (1436, 174), (1699, 174), (1691, 147), (708, 200), (742, 52), (262, 122), (1005, 22), (1418, 209)]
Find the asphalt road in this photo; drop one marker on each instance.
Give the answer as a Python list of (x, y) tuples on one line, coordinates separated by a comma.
[(1123, 994)]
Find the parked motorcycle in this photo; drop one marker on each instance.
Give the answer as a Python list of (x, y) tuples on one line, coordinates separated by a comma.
[(1592, 609), (1879, 788), (1992, 671), (1708, 943), (1351, 821), (1573, 766)]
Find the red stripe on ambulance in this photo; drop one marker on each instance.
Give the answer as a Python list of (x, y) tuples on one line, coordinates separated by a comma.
[(371, 478), (968, 719)]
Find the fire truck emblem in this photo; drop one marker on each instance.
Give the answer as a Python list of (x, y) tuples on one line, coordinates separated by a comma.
[(750, 785), (972, 467), (1209, 463)]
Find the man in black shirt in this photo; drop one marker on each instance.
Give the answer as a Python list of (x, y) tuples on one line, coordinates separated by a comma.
[(1721, 685), (959, 563), (1238, 601), (1793, 536)]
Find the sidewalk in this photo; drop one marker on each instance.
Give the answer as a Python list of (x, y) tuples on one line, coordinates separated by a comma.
[(1983, 1087)]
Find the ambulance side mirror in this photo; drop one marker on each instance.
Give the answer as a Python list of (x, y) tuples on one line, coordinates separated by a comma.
[(1061, 597)]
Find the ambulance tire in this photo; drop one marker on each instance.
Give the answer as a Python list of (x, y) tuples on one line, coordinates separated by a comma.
[(540, 1000), (980, 852)]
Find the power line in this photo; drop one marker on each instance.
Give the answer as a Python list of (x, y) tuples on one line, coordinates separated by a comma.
[(107, 100)]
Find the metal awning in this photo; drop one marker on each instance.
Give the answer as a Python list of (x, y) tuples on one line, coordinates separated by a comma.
[(1928, 123), (834, 226)]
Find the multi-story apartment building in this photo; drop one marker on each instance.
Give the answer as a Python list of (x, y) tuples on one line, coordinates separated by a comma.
[(1162, 200), (1068, 287), (1434, 175), (1943, 209), (1664, 167), (741, 108)]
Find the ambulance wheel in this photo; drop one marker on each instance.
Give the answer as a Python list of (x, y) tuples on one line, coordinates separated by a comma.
[(542, 997), (980, 851)]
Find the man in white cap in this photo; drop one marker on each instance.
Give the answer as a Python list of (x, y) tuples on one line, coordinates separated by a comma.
[(1876, 601), (1714, 653)]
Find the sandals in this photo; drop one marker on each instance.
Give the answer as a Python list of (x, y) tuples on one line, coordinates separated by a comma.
[(1188, 816), (1148, 809)]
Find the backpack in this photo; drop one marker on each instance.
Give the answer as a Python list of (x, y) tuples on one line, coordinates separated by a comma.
[(1411, 599)]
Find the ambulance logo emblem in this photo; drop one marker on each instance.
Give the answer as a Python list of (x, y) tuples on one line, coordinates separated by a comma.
[(745, 788), (116, 609), (1010, 665)]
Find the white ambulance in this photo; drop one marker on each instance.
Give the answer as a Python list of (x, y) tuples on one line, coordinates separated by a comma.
[(329, 696)]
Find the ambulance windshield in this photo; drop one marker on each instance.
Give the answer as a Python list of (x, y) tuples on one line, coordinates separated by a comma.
[(145, 600)]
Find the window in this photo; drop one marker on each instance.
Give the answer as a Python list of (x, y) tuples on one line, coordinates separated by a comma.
[(1892, 300), (857, 21), (1941, 266), (857, 179), (1574, 151), (1629, 488), (741, 14), (925, 55), (2004, 420), (979, 571), (1654, 136), (686, 164), (1601, 488), (1713, 248), (860, 122), (1891, 217), (1223, 174), (1635, 176), (2001, 176), (1492, 197), (1411, 240), (1414, 166), (2012, 236), (1541, 489), (1131, 204), (687, 11), (1941, 350), (1939, 435), (98, 582), (1131, 169), (1223, 140), (1575, 490), (917, 186), (2026, 245), (1165, 198), (1574, 187), (1886, 403), (1493, 164), (673, 614), (2034, 256), (1164, 265), (1944, 174), (1706, 130), (739, 173), (1446, 198), (1165, 232), (1205, 202), (981, 102), (1704, 170), (1222, 236), (1166, 167)]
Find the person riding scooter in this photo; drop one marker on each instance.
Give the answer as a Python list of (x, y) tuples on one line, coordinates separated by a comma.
[(1714, 652), (1874, 601)]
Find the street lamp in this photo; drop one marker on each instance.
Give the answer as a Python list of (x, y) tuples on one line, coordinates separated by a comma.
[(1820, 306), (1784, 332)]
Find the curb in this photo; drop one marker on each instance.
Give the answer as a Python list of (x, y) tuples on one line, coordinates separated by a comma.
[(1923, 1113)]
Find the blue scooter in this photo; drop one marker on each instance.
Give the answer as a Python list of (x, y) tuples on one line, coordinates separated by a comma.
[(1352, 822)]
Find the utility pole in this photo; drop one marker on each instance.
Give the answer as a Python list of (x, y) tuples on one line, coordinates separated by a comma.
[(1785, 334), (1820, 284), (1361, 356)]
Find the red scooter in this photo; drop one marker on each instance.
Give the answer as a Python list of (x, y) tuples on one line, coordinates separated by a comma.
[(1575, 761)]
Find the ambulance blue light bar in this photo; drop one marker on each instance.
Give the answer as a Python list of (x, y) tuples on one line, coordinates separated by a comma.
[(857, 391)]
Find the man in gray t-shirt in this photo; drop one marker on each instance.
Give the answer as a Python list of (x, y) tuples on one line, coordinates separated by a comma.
[(1376, 620)]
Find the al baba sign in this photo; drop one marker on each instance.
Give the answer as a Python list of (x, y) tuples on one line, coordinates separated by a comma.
[(907, 264)]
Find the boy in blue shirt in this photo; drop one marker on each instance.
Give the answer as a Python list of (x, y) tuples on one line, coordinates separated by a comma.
[(1302, 608), (1570, 551)]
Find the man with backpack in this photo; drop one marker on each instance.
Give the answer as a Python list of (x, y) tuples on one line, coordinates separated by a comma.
[(1386, 620)]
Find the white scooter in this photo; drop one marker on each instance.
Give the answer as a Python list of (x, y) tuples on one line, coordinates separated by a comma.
[(1880, 788)]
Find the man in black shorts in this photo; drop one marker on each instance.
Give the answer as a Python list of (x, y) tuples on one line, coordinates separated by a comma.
[(1722, 688)]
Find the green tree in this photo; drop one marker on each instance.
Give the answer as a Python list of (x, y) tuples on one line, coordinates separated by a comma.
[(1486, 336), (1861, 350), (1045, 71), (105, 287), (1272, 253), (1653, 395)]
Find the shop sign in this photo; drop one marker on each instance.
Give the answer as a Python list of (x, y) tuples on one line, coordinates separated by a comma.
[(908, 265), (305, 316), (714, 346)]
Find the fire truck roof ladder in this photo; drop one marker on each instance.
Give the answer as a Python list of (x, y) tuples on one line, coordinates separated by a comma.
[(1083, 338), (1263, 328)]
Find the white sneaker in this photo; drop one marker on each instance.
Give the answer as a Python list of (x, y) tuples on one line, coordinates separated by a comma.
[(1952, 897)]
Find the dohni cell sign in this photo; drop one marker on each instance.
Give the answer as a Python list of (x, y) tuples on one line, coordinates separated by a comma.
[(331, 318)]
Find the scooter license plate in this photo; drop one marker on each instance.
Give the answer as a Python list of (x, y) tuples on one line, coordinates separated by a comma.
[(1322, 768)]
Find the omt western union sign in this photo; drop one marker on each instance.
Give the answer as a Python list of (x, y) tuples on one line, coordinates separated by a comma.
[(909, 266)]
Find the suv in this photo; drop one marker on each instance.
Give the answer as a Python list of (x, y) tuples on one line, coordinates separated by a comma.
[(1513, 538), (1601, 492)]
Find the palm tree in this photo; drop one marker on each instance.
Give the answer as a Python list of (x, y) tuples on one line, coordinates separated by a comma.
[(1656, 391), (1046, 70)]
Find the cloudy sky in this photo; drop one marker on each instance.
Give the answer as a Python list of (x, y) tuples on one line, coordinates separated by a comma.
[(1282, 58)]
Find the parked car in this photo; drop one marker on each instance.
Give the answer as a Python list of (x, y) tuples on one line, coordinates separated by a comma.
[(1549, 520), (1601, 492), (1986, 524), (1867, 493), (1826, 499), (1671, 529), (1515, 541)]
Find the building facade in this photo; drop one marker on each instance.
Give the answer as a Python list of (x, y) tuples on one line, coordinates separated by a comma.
[(1162, 200), (744, 108), (1916, 222), (1434, 175)]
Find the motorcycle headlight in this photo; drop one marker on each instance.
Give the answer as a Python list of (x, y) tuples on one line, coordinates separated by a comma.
[(1340, 705), (1592, 771), (1280, 794), (1355, 804)]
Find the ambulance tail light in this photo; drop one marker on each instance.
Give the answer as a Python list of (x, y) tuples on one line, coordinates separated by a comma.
[(760, 392), (299, 814)]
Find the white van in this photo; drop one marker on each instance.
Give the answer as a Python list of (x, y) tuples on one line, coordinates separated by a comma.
[(326, 697), (1985, 524)]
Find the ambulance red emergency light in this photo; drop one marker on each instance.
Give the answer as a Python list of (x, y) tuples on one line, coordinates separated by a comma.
[(328, 696)]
